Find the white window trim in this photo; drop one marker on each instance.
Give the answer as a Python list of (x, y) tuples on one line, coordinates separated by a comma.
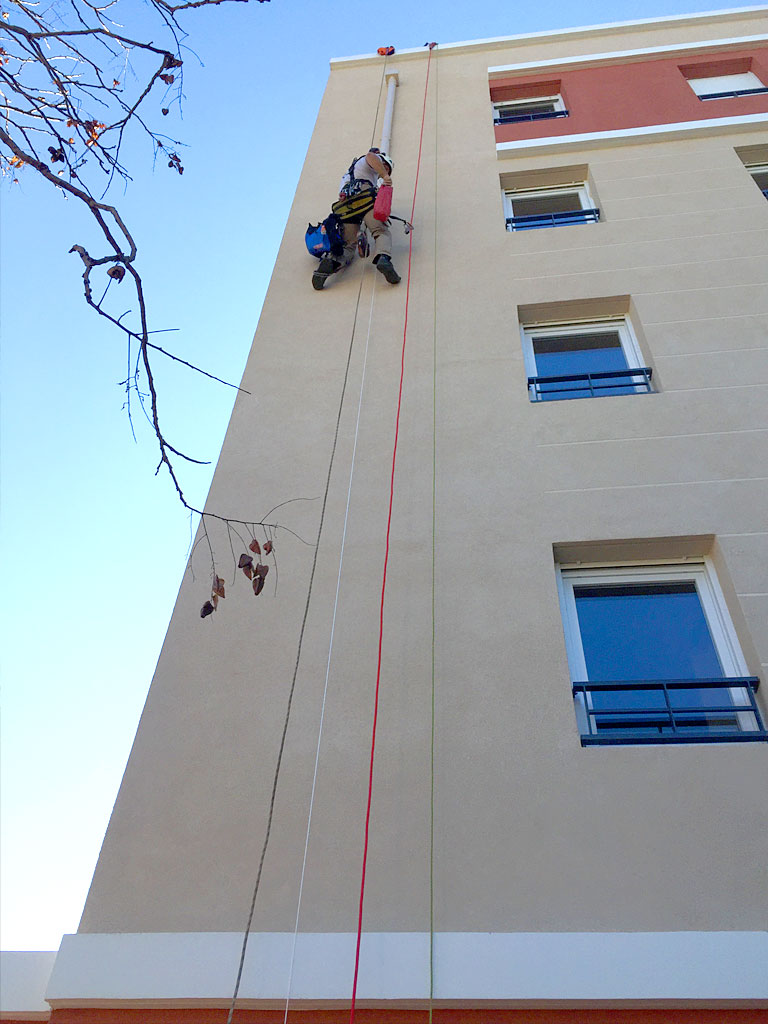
[(700, 571), (555, 98), (605, 325), (580, 187)]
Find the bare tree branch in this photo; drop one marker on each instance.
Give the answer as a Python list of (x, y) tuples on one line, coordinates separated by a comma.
[(73, 83)]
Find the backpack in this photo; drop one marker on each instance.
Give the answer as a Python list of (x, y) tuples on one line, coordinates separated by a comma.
[(325, 238)]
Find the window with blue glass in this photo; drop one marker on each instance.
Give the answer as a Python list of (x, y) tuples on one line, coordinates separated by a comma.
[(593, 359), (654, 657), (559, 206)]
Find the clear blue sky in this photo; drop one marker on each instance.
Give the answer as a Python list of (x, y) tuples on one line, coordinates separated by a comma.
[(94, 544)]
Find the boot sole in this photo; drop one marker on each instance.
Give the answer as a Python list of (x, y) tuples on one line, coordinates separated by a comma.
[(389, 273)]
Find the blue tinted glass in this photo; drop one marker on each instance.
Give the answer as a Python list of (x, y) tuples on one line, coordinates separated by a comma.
[(565, 354), (648, 631)]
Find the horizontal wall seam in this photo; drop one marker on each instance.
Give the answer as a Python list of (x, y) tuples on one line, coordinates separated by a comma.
[(662, 483), (651, 437), (634, 243), (702, 354), (704, 319), (713, 387), (648, 266)]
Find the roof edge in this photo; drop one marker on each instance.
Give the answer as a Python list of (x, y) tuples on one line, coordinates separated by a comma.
[(499, 41)]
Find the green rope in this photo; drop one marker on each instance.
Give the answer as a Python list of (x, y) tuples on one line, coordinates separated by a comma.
[(434, 531)]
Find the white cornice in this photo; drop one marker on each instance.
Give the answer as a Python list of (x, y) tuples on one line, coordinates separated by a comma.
[(620, 55), (645, 133), (496, 42)]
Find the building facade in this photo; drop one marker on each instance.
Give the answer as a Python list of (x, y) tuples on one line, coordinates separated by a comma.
[(570, 787)]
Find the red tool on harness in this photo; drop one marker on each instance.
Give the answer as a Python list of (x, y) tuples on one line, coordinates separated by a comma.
[(382, 208), (385, 51)]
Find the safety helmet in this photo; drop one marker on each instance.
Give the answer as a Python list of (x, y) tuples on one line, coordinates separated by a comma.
[(387, 159)]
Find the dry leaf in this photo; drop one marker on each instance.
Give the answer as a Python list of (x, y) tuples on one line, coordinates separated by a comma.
[(268, 548), (258, 584), (244, 560), (254, 547), (207, 609), (218, 586), (261, 570), (248, 570), (215, 600), (117, 272)]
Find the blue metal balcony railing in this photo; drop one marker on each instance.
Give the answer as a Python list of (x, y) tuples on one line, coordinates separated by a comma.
[(736, 92), (553, 220), (591, 385), (663, 711), (536, 116)]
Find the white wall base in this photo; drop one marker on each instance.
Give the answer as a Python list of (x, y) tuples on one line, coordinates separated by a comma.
[(536, 967)]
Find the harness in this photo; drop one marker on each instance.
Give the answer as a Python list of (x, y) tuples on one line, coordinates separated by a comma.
[(357, 196)]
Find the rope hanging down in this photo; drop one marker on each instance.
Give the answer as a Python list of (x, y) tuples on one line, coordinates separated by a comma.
[(330, 646), (292, 688), (434, 545), (386, 559)]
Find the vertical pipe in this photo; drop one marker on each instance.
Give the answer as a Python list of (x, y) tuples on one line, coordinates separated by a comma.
[(389, 110)]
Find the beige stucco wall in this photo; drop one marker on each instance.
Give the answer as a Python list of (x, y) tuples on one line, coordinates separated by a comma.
[(532, 832)]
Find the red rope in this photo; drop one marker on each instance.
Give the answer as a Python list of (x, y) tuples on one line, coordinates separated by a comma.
[(386, 561)]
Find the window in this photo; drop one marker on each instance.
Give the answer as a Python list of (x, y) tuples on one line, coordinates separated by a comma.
[(549, 207), (534, 108), (759, 173), (588, 359), (654, 657), (718, 87)]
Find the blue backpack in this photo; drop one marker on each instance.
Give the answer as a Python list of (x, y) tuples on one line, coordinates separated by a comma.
[(326, 238)]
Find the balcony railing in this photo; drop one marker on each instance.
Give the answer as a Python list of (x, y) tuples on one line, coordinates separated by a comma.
[(669, 711), (536, 116), (591, 385), (736, 92), (553, 220)]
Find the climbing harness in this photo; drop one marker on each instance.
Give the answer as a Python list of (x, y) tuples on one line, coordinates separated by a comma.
[(355, 206)]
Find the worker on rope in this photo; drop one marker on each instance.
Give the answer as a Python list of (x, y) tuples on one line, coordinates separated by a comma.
[(357, 195)]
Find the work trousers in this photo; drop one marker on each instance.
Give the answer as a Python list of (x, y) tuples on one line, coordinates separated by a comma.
[(382, 237)]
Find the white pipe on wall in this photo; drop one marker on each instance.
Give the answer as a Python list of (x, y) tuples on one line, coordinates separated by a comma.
[(389, 110)]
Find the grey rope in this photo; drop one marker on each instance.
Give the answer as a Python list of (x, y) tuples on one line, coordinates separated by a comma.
[(278, 764)]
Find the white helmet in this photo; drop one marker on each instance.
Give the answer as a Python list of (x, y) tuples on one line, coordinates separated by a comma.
[(387, 160)]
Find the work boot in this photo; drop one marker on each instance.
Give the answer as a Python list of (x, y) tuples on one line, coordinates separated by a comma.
[(326, 267), (384, 266)]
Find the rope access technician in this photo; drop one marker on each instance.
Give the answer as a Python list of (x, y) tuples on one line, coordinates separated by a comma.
[(357, 195)]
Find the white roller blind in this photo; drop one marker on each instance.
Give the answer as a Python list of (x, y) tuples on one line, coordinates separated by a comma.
[(725, 83)]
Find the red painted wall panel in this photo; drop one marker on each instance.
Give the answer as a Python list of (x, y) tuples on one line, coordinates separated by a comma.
[(631, 95)]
